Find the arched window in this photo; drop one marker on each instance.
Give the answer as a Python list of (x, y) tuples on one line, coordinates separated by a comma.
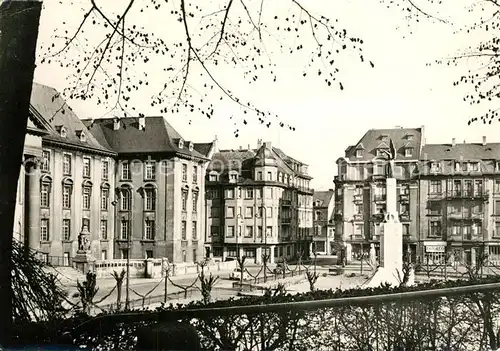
[(45, 189), (86, 194), (67, 187), (125, 198), (149, 194), (105, 196)]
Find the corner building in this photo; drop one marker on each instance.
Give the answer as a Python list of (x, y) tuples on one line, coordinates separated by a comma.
[(258, 200)]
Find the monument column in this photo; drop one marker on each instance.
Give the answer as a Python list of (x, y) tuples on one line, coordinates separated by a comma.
[(32, 196)]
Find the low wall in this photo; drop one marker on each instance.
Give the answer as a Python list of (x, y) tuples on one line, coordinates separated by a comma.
[(155, 268)]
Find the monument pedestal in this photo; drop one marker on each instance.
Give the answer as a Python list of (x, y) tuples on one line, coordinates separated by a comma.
[(84, 262)]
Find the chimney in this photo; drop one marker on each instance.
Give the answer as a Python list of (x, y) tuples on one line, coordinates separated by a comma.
[(142, 123), (484, 140), (241, 147), (116, 123), (268, 145), (453, 142)]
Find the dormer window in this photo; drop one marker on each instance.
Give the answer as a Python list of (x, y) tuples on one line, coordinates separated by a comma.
[(213, 176), (181, 143), (191, 146), (381, 153), (233, 177), (409, 136), (497, 166), (408, 152), (82, 136), (63, 131), (384, 137), (359, 153), (435, 167)]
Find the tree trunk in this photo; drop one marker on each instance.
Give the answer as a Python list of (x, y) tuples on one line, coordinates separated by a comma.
[(18, 34)]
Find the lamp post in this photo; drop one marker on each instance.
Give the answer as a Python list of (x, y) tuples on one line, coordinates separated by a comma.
[(238, 233)]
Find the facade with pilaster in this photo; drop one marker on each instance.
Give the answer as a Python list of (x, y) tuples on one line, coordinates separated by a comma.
[(62, 188), (160, 188), (258, 200)]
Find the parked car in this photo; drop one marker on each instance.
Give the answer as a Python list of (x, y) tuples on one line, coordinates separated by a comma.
[(236, 275)]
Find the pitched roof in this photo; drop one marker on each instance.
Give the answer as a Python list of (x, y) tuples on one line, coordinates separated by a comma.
[(204, 148), (324, 198), (158, 136), (373, 139), (490, 151), (47, 103)]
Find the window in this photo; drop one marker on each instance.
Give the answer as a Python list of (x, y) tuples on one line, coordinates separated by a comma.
[(249, 212), (359, 153), (104, 169), (86, 167), (259, 193), (126, 171), (86, 198), (150, 170), (230, 194), (408, 152), (149, 199), (405, 208), (67, 196), (194, 228), (249, 231), (44, 195), (66, 229), (44, 229), (125, 200), (233, 177), (269, 176), (435, 167), (214, 212), (435, 187), (124, 229), (230, 212), (195, 201), (496, 234), (212, 177), (184, 230), (269, 232), (435, 228), (104, 229), (230, 231), (195, 254), (269, 212), (249, 252), (214, 230), (149, 254), (249, 193), (184, 258), (406, 229), (259, 231), (184, 172), (497, 207), (497, 186), (317, 216), (434, 208), (46, 160), (149, 229), (104, 199), (474, 166), (358, 229), (66, 164), (358, 209), (259, 175), (195, 174), (184, 200)]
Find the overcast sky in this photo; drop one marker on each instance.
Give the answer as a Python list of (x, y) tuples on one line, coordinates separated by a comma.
[(400, 91)]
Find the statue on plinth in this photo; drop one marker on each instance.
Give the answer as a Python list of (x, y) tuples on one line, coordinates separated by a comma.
[(83, 239), (391, 157)]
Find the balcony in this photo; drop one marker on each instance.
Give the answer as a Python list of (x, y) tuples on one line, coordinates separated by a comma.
[(435, 196), (404, 198), (379, 217), (286, 202), (404, 217), (286, 220), (357, 198), (380, 176), (465, 216), (379, 198), (466, 194)]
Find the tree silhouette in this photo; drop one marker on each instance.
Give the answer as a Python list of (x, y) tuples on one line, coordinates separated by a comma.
[(119, 54)]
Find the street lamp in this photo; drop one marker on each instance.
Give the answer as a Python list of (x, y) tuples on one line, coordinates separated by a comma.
[(238, 234)]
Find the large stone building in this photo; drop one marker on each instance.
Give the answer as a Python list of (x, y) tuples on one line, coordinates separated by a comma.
[(360, 189), (258, 200), (448, 196), (64, 184), (324, 226), (160, 188)]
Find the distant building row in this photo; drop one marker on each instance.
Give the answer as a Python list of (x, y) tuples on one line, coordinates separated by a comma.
[(139, 188), (448, 196)]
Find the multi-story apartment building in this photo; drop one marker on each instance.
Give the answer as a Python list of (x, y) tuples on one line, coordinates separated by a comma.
[(323, 237), (460, 201), (64, 184), (258, 201), (360, 189), (160, 188)]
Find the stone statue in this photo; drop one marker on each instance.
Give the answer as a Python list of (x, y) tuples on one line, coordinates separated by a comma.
[(83, 239), (373, 256), (391, 156)]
